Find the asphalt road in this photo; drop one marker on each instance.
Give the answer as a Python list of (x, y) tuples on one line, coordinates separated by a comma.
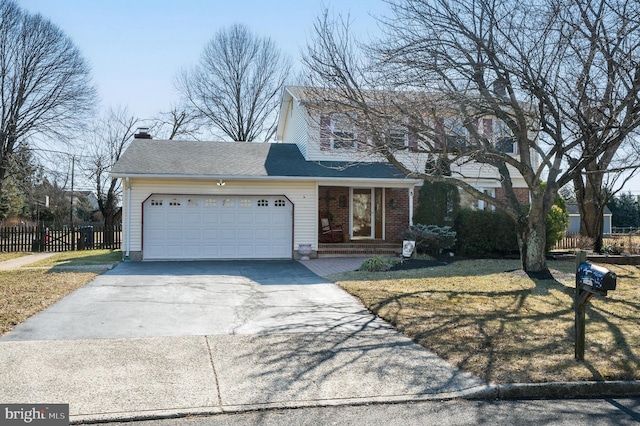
[(592, 412)]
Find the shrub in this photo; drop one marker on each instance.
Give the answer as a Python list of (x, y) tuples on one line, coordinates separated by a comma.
[(431, 239), (557, 223), (375, 264), (438, 204), (482, 233)]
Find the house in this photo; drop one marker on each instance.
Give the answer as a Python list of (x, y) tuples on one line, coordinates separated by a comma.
[(574, 219), (239, 200)]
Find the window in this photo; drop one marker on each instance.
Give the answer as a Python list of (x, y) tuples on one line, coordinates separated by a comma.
[(398, 137), (156, 202), (503, 137), (343, 132), (192, 202), (175, 202), (228, 202), (245, 202), (456, 134), (263, 203), (280, 203), (210, 202), (482, 205)]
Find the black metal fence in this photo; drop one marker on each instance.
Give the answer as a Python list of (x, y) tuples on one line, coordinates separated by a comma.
[(44, 239)]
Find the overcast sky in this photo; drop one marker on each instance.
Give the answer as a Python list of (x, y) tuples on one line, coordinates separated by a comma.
[(136, 47)]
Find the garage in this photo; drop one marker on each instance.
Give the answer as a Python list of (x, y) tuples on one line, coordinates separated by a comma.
[(217, 227)]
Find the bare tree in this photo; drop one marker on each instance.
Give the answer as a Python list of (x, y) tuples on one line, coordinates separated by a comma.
[(110, 137), (447, 68), (44, 82), (176, 124), (237, 84), (603, 40)]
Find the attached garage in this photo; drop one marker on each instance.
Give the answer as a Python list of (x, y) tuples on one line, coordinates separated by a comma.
[(217, 227)]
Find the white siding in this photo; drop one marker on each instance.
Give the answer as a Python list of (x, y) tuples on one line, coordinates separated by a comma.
[(295, 130), (303, 195)]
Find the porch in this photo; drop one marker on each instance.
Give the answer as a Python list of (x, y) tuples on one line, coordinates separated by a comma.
[(362, 221)]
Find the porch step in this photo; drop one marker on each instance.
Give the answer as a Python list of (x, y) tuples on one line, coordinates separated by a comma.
[(358, 249)]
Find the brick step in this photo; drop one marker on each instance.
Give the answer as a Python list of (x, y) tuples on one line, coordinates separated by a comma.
[(358, 249)]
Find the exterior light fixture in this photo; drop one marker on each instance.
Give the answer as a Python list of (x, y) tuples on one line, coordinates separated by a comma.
[(393, 203), (221, 183)]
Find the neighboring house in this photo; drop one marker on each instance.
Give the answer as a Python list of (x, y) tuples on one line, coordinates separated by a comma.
[(231, 200), (574, 219)]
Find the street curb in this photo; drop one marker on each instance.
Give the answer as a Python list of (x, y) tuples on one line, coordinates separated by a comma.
[(560, 390), (507, 391)]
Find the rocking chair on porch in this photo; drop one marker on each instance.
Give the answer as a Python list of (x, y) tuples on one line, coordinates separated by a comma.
[(330, 234)]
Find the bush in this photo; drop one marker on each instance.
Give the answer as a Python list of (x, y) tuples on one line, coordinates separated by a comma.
[(431, 239), (557, 223), (482, 233), (438, 204), (375, 264)]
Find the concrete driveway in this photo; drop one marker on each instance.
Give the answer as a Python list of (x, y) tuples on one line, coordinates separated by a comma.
[(155, 299)]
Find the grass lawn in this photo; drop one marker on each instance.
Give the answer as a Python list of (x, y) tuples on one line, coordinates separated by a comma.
[(489, 318), (82, 258), (25, 292)]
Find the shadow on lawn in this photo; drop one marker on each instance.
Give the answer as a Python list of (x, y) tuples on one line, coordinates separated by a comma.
[(519, 335)]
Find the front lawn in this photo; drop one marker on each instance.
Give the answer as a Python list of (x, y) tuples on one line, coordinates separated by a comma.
[(491, 319), (25, 292)]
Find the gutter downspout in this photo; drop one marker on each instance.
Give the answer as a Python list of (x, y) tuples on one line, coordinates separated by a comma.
[(128, 236)]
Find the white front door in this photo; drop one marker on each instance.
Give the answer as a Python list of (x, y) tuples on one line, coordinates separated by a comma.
[(217, 227)]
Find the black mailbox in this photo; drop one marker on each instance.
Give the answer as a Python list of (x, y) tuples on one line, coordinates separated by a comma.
[(597, 277)]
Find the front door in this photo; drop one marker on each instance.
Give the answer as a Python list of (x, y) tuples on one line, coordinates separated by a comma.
[(367, 213)]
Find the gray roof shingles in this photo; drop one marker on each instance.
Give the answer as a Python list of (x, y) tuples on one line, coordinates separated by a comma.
[(225, 159)]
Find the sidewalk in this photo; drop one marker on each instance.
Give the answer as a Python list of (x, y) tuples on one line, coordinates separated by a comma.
[(19, 262)]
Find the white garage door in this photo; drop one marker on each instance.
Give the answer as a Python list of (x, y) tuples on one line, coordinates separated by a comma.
[(217, 227)]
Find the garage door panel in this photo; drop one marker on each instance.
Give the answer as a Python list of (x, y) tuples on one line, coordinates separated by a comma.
[(216, 227)]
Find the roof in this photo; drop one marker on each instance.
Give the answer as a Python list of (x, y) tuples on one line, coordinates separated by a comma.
[(237, 159), (573, 209)]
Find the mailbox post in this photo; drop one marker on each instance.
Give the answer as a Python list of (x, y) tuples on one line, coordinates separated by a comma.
[(590, 280)]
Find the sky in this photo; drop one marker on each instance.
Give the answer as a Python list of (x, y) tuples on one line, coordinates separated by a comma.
[(136, 47)]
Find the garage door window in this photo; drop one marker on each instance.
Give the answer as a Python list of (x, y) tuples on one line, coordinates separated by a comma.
[(210, 202), (192, 202), (228, 202), (155, 202), (280, 203), (174, 202), (245, 203), (263, 203)]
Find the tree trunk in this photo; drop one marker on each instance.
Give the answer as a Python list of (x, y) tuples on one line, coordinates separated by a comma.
[(532, 237), (591, 202)]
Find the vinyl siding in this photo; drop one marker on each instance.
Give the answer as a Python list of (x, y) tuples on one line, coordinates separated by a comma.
[(296, 127), (303, 195)]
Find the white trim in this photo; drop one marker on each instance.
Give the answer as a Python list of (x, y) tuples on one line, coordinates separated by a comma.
[(128, 236), (411, 206), (372, 232)]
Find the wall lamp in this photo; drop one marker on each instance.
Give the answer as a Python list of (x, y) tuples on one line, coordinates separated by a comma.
[(393, 203), (221, 183)]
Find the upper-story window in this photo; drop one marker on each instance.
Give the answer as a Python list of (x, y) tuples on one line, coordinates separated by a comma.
[(457, 135), (343, 132), (503, 137)]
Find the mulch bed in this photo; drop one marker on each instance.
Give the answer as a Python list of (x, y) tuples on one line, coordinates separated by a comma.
[(419, 264)]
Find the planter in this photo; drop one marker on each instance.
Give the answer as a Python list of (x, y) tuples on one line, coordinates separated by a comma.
[(304, 250)]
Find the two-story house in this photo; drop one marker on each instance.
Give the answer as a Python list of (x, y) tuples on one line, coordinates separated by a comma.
[(239, 200)]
